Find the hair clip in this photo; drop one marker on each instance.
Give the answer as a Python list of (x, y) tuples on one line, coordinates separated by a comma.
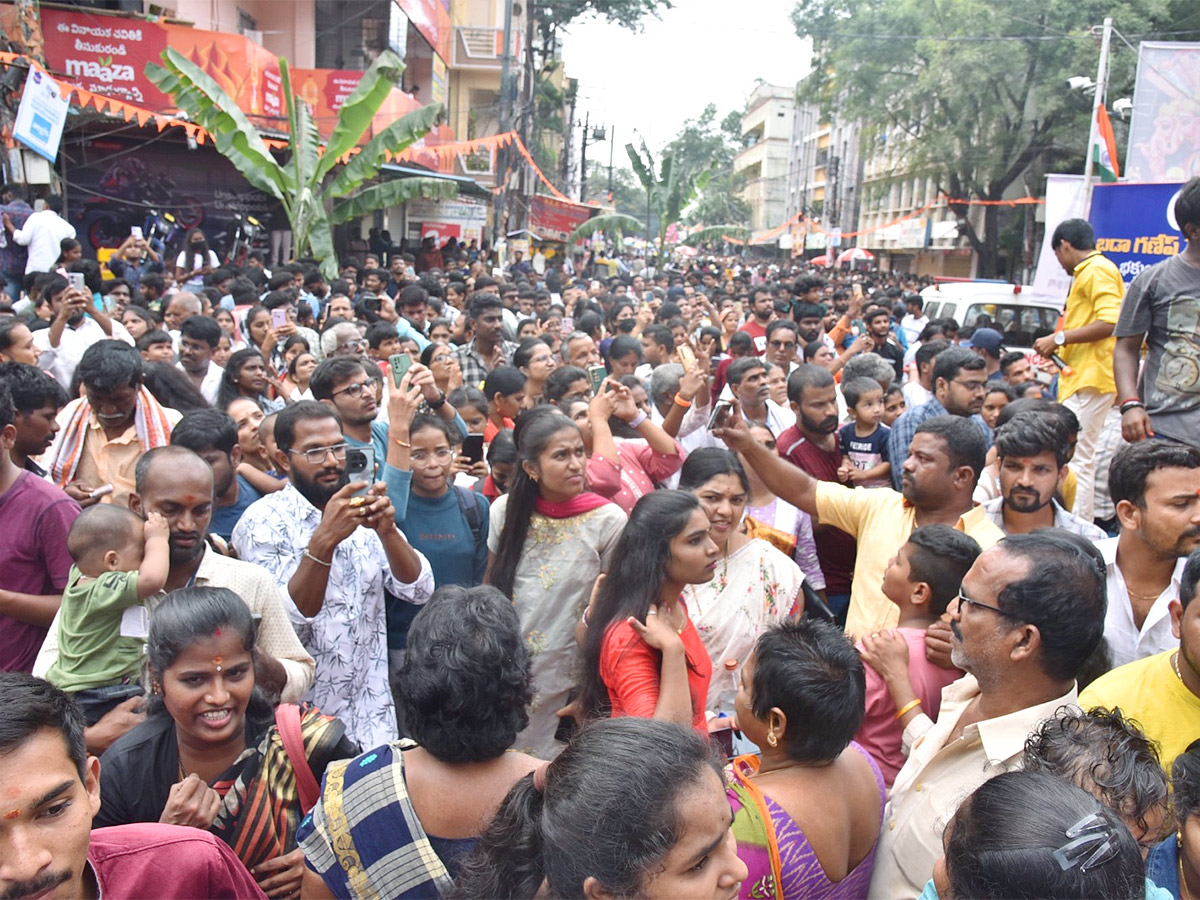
[(1091, 845)]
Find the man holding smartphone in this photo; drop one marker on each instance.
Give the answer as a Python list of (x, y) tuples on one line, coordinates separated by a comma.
[(77, 324)]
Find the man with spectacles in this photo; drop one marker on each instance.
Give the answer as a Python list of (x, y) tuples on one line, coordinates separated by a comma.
[(782, 342), (959, 389), (1029, 615), (334, 550)]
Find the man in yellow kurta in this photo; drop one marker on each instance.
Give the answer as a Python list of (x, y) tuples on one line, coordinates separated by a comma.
[(943, 465), (1085, 343)]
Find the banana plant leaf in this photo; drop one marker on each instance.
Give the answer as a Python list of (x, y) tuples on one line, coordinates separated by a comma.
[(356, 114), (716, 233), (618, 223), (209, 106), (305, 141), (391, 193), (401, 134)]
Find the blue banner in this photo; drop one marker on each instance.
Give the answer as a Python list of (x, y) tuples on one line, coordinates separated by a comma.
[(1135, 224)]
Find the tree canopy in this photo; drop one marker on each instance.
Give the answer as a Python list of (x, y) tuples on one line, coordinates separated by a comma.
[(706, 143), (973, 93)]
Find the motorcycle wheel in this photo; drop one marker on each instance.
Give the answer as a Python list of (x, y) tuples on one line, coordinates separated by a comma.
[(104, 232)]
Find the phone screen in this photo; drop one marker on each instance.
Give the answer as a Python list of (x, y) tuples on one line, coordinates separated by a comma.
[(473, 447), (719, 414)]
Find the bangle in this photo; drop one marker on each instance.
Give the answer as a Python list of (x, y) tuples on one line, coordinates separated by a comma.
[(1131, 404), (908, 707), (638, 419), (318, 561), (405, 444), (685, 404), (1131, 400)]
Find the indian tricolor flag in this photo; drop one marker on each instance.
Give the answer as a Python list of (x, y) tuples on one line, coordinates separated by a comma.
[(1104, 151)]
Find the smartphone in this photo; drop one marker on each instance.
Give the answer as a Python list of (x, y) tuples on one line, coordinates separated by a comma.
[(597, 374), (568, 324), (103, 491), (278, 317), (856, 289), (400, 364), (75, 279), (687, 356), (472, 448), (719, 414), (360, 466), (737, 308), (136, 231)]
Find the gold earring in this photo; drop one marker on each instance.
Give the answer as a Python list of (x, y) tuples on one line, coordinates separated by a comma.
[(771, 739)]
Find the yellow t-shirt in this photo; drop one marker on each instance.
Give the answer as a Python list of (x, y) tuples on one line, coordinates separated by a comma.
[(881, 522), (1149, 691), (1069, 485), (1096, 293)]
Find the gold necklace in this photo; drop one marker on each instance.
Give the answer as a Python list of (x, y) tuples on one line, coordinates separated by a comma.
[(1184, 893), (1175, 666)]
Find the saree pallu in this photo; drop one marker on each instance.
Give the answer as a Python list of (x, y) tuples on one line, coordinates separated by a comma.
[(261, 810), (364, 838)]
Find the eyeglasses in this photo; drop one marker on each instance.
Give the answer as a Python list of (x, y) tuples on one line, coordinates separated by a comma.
[(316, 455), (439, 455), (780, 345), (443, 358), (360, 344), (963, 598), (354, 390), (975, 387)]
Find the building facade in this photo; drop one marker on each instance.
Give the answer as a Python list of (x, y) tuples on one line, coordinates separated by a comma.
[(762, 164)]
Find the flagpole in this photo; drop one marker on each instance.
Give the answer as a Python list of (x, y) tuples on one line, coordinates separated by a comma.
[(1089, 165)]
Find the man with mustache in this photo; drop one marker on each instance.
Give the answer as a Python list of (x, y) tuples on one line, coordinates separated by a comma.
[(812, 446), (940, 470), (1031, 456), (334, 547), (177, 483), (1155, 485), (1162, 692), (1027, 618), (103, 434), (51, 790)]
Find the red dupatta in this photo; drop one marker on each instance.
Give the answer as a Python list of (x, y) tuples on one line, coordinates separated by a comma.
[(585, 502)]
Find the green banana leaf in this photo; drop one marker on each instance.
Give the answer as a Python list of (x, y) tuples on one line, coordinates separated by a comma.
[(209, 106), (304, 139), (391, 193), (617, 223), (356, 114), (716, 233), (401, 134)]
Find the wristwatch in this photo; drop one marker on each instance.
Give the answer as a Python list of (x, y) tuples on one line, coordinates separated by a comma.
[(437, 404), (1060, 338)]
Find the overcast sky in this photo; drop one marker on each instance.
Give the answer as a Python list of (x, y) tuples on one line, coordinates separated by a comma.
[(700, 52)]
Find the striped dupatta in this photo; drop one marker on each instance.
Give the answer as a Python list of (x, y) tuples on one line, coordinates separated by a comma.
[(262, 808), (149, 421)]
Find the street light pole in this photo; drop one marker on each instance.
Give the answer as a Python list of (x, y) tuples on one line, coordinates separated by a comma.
[(583, 175), (1094, 130), (498, 220)]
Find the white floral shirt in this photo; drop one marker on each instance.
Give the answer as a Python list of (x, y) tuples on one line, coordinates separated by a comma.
[(348, 637)]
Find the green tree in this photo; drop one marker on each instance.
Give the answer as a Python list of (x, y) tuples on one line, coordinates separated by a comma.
[(972, 93), (670, 190), (706, 144), (309, 181), (552, 16)]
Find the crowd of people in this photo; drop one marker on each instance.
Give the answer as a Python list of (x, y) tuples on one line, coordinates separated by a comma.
[(586, 576)]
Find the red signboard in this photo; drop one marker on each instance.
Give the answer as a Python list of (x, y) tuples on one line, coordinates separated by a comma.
[(554, 220), (108, 55), (432, 19)]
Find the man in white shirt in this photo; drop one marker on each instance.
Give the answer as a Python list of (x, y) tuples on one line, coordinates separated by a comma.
[(334, 553), (1031, 456), (43, 233), (747, 378), (1027, 618), (1155, 485), (77, 324), (919, 390), (198, 338), (915, 320)]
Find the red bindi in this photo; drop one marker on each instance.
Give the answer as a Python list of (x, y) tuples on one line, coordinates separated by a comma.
[(216, 632)]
